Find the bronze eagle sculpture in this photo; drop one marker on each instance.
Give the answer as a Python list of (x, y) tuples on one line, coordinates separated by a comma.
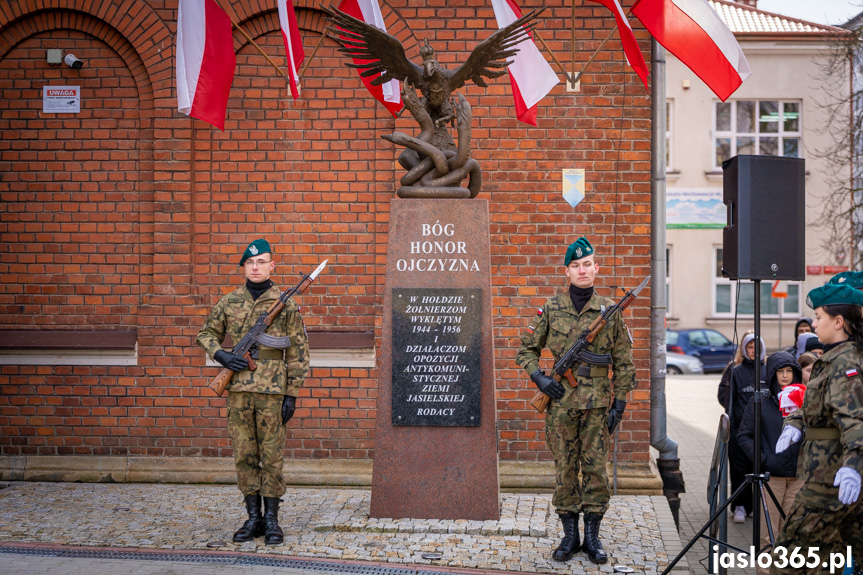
[(435, 165)]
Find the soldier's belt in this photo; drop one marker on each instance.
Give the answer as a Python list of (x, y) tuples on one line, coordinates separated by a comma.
[(270, 354), (821, 433), (586, 370)]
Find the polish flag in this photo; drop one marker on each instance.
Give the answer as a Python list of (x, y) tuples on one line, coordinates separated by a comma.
[(627, 39), (388, 94), (529, 74), (293, 43), (205, 61), (693, 32)]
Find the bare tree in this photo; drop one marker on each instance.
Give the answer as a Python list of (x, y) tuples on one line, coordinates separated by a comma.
[(841, 211)]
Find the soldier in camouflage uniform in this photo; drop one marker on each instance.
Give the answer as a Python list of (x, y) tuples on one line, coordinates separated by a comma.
[(262, 401), (827, 512), (578, 421)]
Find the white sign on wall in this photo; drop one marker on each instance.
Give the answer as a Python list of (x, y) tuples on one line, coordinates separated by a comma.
[(695, 208), (61, 99)]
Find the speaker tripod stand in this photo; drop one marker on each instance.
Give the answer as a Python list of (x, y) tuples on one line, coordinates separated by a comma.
[(759, 481)]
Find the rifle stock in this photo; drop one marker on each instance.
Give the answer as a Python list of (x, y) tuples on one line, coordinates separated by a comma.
[(221, 381)]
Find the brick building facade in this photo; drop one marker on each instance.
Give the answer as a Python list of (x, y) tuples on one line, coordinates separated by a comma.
[(121, 225)]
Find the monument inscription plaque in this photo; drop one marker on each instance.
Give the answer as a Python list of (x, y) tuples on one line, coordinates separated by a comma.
[(436, 356)]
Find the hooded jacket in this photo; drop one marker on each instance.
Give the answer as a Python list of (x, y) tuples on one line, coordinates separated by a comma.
[(792, 349), (742, 385), (801, 343), (783, 464)]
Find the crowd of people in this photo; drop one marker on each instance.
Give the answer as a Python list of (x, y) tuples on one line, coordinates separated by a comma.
[(811, 426)]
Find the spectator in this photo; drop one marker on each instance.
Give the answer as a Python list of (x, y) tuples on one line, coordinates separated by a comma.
[(725, 380), (814, 347), (801, 343), (803, 325), (806, 361), (782, 373), (737, 395)]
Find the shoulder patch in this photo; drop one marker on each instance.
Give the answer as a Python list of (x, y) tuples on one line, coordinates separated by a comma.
[(529, 329), (851, 372), (539, 311)]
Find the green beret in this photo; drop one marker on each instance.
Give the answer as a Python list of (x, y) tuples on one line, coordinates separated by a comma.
[(832, 294), (578, 249), (853, 279), (260, 246)]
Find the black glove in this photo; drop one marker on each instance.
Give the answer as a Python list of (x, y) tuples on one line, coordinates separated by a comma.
[(615, 414), (547, 384), (231, 361), (289, 405)]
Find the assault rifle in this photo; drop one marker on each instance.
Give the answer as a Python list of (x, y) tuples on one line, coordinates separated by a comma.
[(256, 335), (577, 353)]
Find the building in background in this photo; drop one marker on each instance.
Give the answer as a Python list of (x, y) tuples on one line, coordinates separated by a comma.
[(779, 111)]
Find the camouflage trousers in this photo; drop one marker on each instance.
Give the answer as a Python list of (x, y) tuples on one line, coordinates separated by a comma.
[(578, 439), (809, 525), (258, 436)]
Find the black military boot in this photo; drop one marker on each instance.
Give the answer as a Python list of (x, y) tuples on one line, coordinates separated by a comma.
[(272, 532), (570, 542), (592, 545), (254, 525)]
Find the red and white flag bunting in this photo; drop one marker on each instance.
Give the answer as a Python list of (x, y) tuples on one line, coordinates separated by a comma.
[(389, 93), (293, 44), (627, 39), (530, 75), (205, 61), (693, 32)]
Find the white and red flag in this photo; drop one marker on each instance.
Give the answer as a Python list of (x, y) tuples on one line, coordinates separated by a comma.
[(293, 44), (627, 39), (205, 61), (693, 32), (388, 93), (530, 75)]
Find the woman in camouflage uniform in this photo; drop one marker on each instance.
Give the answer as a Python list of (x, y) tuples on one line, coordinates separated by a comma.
[(827, 514), (262, 401)]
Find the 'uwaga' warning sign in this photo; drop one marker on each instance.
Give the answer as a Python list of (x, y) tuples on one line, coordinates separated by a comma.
[(61, 99)]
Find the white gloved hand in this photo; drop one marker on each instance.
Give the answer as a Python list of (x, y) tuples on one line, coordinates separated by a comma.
[(789, 435), (848, 481)]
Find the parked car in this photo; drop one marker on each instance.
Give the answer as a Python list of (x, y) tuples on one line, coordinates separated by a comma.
[(680, 363), (711, 347)]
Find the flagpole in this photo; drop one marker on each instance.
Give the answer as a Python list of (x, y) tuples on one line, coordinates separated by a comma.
[(253, 43), (553, 57), (315, 51), (593, 56)]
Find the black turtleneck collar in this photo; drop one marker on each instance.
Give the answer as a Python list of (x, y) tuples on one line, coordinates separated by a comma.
[(830, 346), (258, 289), (580, 296)]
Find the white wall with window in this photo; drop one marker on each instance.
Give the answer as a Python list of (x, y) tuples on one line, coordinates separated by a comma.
[(759, 127), (776, 112)]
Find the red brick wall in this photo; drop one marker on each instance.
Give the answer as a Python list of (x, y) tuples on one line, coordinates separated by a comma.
[(130, 215)]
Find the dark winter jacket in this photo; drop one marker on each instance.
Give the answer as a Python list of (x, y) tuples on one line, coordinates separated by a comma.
[(741, 388), (783, 464)]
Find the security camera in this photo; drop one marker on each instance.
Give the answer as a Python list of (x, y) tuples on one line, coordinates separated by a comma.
[(73, 62)]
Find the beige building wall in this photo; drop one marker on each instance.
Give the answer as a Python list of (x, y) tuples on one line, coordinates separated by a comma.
[(780, 71)]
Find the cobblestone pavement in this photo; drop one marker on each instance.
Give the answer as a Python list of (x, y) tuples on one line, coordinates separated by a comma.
[(325, 524)]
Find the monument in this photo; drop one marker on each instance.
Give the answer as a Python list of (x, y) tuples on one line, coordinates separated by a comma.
[(436, 430)]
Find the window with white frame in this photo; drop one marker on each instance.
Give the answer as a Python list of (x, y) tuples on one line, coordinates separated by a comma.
[(669, 108), (667, 281), (726, 301), (763, 127)]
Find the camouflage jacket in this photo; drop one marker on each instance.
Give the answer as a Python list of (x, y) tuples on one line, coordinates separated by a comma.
[(557, 325), (234, 315), (833, 400)]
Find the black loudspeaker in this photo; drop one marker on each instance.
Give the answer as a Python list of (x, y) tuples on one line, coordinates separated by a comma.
[(764, 238)]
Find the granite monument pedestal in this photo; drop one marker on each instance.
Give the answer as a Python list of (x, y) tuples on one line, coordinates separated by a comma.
[(436, 435)]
